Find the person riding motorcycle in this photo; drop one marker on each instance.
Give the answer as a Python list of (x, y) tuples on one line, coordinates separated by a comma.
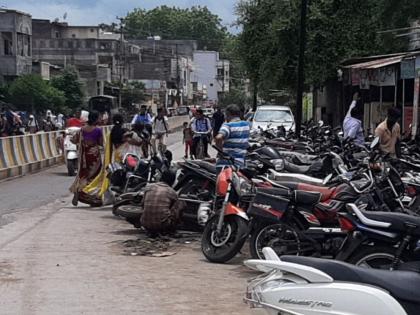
[(200, 125)]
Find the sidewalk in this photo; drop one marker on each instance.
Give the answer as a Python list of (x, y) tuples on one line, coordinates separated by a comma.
[(64, 260)]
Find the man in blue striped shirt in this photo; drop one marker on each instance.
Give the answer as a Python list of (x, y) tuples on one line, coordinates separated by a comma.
[(233, 138)]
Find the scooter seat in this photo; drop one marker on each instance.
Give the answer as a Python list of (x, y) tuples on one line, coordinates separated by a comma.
[(403, 285), (206, 165), (399, 221), (293, 168), (324, 191)]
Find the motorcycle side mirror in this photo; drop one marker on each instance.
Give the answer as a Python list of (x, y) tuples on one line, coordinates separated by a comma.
[(375, 143), (320, 123), (327, 179)]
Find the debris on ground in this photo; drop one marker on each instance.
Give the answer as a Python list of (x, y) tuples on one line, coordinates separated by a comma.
[(160, 246)]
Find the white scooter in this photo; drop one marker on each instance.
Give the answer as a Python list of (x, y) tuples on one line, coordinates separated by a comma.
[(71, 155), (311, 286)]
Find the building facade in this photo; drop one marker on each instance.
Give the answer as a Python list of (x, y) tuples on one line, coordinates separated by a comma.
[(15, 44), (100, 57), (212, 72)]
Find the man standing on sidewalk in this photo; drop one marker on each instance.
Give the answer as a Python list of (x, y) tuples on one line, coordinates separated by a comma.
[(233, 138)]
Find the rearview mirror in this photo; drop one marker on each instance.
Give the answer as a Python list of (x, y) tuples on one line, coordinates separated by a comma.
[(374, 144), (320, 123)]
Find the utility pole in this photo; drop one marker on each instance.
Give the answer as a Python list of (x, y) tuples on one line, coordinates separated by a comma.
[(301, 66), (178, 78), (121, 59)]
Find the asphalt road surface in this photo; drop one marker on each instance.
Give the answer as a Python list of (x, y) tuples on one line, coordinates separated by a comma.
[(60, 259), (34, 190)]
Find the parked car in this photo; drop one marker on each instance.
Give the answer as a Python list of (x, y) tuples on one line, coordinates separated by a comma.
[(272, 116), (182, 110)]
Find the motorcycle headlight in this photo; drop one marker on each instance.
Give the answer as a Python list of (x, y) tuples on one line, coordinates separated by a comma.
[(278, 164)]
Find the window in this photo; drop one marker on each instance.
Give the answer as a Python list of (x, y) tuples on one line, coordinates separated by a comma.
[(57, 35), (92, 30), (220, 72), (7, 43), (73, 35), (211, 84)]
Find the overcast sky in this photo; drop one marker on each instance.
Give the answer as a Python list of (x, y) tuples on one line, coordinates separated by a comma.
[(92, 12)]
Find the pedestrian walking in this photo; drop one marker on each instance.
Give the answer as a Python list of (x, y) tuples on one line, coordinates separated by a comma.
[(32, 124), (90, 140), (233, 138), (187, 139)]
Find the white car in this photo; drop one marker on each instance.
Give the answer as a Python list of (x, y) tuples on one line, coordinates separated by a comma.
[(273, 116)]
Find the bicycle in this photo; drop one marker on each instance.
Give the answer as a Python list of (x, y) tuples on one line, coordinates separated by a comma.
[(199, 149)]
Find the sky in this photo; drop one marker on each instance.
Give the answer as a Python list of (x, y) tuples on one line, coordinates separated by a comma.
[(93, 12)]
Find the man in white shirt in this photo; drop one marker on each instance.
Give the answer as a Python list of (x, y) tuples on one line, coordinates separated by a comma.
[(160, 130)]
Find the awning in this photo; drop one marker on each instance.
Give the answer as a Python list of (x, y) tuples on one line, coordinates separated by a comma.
[(376, 63)]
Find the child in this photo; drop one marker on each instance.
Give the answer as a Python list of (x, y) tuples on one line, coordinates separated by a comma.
[(187, 139)]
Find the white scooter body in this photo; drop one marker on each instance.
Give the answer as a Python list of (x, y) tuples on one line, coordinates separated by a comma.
[(70, 149), (293, 289)]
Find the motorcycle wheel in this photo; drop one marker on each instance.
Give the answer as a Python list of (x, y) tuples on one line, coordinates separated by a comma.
[(282, 238), (71, 167), (123, 206), (199, 154), (376, 257), (221, 248)]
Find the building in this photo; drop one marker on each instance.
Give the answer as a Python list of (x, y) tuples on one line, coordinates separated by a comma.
[(100, 57), (15, 44), (169, 61), (212, 72)]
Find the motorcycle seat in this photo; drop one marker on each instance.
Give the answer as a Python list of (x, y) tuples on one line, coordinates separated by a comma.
[(307, 197), (399, 221), (403, 285), (293, 168), (324, 191), (209, 167)]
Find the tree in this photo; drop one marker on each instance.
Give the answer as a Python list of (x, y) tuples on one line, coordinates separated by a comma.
[(132, 93), (69, 83), (31, 93), (336, 30), (195, 23)]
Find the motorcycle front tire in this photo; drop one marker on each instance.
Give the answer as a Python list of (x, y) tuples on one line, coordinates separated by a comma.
[(237, 229)]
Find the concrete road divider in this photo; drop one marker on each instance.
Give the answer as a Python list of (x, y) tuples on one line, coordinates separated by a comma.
[(20, 155)]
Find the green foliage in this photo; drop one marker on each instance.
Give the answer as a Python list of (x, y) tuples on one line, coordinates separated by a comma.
[(336, 30), (30, 92), (235, 96), (195, 23), (132, 93), (69, 83)]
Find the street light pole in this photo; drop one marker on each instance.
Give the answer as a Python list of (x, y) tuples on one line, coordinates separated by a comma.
[(301, 66)]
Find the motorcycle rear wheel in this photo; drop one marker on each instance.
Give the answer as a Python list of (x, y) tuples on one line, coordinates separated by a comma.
[(223, 247), (376, 257), (282, 238)]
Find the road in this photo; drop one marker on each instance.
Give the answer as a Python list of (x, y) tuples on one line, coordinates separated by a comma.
[(58, 259), (34, 190)]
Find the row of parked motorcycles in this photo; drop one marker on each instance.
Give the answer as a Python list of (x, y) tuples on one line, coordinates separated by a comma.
[(305, 200)]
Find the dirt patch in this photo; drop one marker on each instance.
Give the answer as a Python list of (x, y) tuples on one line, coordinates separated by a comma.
[(160, 246)]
